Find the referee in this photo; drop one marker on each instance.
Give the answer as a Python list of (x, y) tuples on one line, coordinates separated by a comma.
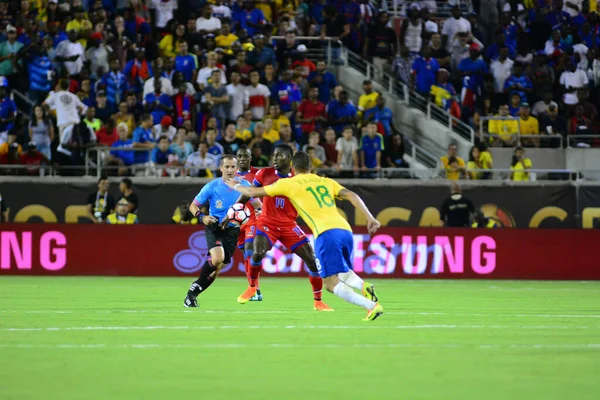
[(221, 242), (456, 210)]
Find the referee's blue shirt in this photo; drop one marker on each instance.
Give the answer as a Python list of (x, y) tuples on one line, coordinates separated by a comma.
[(218, 196)]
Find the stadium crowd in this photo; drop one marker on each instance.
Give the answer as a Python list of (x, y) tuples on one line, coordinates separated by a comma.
[(183, 82)]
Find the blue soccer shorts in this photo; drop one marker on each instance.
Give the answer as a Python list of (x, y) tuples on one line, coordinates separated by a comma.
[(333, 249)]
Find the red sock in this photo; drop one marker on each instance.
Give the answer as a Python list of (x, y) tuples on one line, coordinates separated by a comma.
[(254, 273), (317, 286), (247, 266)]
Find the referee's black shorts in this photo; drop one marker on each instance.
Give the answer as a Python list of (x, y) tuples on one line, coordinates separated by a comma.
[(216, 237)]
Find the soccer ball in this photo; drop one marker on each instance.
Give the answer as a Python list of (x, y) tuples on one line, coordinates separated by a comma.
[(238, 214)]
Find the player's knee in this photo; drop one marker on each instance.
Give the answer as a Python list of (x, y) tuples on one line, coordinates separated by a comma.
[(217, 262), (248, 254), (330, 284)]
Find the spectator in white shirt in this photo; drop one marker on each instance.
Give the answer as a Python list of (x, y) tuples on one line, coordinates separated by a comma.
[(205, 73), (541, 108), (237, 96), (347, 147), (257, 96), (574, 7), (313, 141), (221, 10), (71, 53), (573, 78), (164, 129), (67, 105), (165, 84), (207, 23), (452, 26), (501, 69), (201, 163), (164, 11)]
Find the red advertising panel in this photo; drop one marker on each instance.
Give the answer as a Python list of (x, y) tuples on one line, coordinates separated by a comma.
[(52, 249)]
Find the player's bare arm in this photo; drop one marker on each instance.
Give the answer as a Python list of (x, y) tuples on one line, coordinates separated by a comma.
[(248, 191), (359, 204)]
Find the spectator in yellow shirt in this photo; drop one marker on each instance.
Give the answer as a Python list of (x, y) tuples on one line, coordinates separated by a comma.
[(270, 134), (519, 166), (474, 164), (486, 160), (504, 130), (80, 24), (242, 131), (226, 38), (169, 44), (528, 126), (277, 117), (366, 100), (453, 165)]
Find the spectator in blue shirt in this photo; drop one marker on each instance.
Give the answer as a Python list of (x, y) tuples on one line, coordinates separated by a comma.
[(142, 139), (161, 153), (122, 156), (493, 52), (287, 93), (40, 76), (249, 18), (382, 115), (341, 113), (518, 83), (324, 80), (473, 70), (158, 104), (214, 148), (115, 83), (8, 111), (186, 63), (261, 55), (424, 72), (371, 146)]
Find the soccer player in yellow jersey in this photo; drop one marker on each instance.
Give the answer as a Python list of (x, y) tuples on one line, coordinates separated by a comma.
[(314, 199)]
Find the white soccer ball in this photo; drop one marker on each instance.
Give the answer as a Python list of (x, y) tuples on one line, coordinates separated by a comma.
[(238, 214)]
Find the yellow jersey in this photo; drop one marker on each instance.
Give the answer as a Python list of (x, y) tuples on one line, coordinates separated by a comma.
[(226, 41), (519, 170), (272, 136), (471, 167), (314, 199), (452, 175), (79, 26), (245, 134), (366, 101), (281, 120), (130, 219), (504, 128), (529, 126), (485, 159)]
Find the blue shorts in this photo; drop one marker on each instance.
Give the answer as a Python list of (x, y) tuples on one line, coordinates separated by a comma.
[(333, 249)]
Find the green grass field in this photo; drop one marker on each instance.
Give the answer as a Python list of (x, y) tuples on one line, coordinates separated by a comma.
[(131, 338)]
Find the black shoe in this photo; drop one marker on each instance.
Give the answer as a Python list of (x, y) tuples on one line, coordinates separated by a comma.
[(190, 300)]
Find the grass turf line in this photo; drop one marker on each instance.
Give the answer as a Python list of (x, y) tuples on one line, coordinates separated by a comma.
[(437, 339)]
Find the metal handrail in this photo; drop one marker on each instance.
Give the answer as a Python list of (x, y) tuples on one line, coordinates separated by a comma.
[(583, 139), (22, 97), (543, 137)]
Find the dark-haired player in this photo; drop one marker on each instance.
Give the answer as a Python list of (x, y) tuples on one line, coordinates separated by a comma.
[(278, 222), (314, 198), (247, 231), (221, 242)]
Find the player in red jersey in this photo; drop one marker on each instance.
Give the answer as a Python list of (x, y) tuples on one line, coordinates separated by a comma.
[(247, 231), (278, 222)]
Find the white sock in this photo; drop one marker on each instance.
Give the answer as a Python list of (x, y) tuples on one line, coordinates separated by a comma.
[(352, 280), (344, 292)]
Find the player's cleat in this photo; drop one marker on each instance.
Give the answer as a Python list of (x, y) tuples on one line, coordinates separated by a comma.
[(320, 306), (257, 297), (369, 292), (374, 313), (190, 300), (247, 295)]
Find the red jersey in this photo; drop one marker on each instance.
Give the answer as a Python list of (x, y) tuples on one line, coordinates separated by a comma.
[(311, 110), (249, 177), (277, 210)]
